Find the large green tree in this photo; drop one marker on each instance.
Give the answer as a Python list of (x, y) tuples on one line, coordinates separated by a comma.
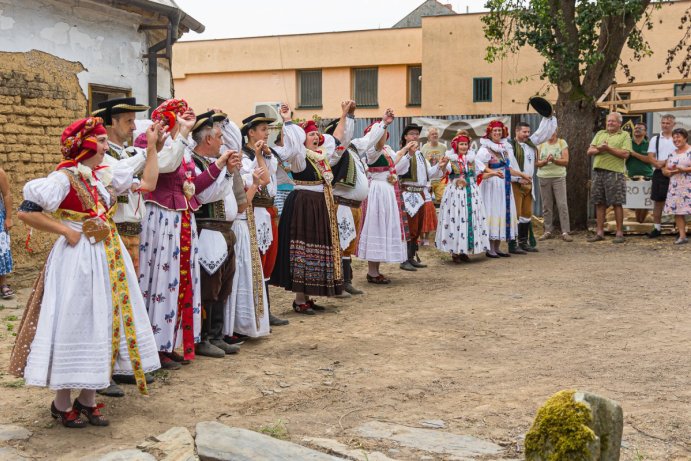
[(581, 42)]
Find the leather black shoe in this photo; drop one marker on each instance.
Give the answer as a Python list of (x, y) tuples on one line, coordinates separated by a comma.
[(277, 321), (129, 379), (407, 266), (112, 391)]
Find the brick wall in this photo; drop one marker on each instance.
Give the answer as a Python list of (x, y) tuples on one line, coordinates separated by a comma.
[(39, 96)]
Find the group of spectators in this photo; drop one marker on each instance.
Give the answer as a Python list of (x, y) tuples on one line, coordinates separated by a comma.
[(664, 159)]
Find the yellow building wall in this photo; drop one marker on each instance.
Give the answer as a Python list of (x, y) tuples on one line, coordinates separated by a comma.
[(237, 73), (453, 50), (237, 93)]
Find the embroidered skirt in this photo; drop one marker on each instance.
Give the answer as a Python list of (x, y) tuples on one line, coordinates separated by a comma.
[(306, 260)]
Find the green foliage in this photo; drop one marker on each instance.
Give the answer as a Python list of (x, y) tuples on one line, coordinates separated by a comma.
[(561, 428), (13, 384), (574, 36), (277, 430)]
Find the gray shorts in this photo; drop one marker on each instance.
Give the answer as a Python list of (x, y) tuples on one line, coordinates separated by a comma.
[(608, 188)]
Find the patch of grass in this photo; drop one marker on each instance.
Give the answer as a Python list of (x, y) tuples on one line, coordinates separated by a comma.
[(11, 318), (162, 375), (277, 430), (13, 384), (10, 326), (638, 456)]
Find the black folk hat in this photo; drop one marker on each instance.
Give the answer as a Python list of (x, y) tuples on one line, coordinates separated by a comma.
[(207, 119), (254, 120), (331, 127), (411, 127), (107, 109), (407, 129), (541, 106)]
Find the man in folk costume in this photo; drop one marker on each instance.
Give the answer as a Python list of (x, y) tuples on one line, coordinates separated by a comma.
[(216, 237), (414, 172), (86, 317), (351, 185), (119, 119), (255, 129), (309, 252), (523, 145), (169, 274)]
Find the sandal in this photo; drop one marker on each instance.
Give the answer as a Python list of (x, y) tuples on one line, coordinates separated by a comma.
[(315, 306), (303, 308), (378, 280), (6, 292), (69, 419), (93, 414)]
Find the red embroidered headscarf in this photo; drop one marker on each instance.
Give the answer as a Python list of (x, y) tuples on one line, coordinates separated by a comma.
[(459, 138), (168, 112), (310, 126), (79, 142), (496, 124), (369, 128)]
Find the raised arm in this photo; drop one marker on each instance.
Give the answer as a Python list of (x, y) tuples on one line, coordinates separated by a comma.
[(170, 157), (341, 131), (294, 151), (545, 131)]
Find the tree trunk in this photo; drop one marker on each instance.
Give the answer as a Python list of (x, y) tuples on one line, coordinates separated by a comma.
[(577, 125)]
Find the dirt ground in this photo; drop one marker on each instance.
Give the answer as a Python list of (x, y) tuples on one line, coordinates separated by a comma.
[(478, 345)]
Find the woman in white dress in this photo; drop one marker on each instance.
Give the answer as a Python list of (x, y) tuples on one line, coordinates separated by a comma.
[(247, 308), (495, 186), (383, 230), (462, 229), (92, 318)]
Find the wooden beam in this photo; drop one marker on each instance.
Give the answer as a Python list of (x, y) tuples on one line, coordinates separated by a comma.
[(669, 109), (642, 101), (605, 94), (658, 82)]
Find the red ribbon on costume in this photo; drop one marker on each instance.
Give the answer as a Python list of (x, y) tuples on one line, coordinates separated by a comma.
[(185, 317)]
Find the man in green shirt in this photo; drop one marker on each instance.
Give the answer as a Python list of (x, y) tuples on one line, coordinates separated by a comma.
[(610, 149), (639, 163)]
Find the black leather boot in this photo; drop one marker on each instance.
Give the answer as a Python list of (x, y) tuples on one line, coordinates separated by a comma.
[(348, 277), (415, 260), (273, 320), (407, 265), (523, 232)]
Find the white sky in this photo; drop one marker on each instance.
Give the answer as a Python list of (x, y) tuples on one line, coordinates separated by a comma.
[(238, 18)]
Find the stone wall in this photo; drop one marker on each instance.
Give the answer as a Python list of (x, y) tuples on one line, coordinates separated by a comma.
[(39, 96)]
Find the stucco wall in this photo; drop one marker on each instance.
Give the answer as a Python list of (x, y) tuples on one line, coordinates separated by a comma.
[(450, 48), (237, 93), (104, 40), (39, 97), (310, 51)]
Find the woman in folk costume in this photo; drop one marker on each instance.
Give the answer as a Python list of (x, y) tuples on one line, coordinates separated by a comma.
[(383, 230), (309, 252), (169, 265), (86, 316), (495, 187), (462, 229), (247, 308)]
